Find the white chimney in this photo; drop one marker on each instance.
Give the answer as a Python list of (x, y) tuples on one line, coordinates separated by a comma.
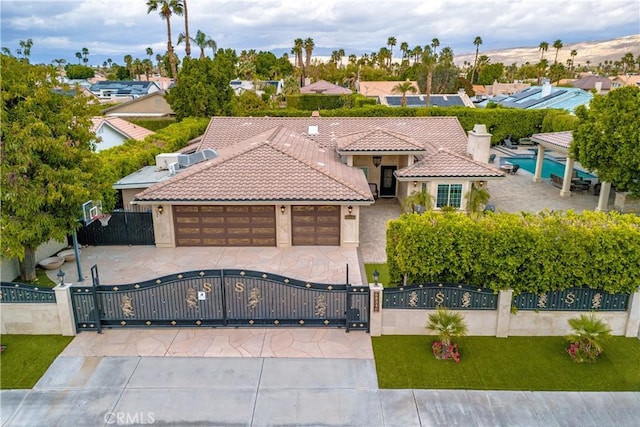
[(479, 143), (598, 87), (546, 90)]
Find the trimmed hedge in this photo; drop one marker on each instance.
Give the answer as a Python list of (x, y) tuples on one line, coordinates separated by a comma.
[(314, 101), (523, 252)]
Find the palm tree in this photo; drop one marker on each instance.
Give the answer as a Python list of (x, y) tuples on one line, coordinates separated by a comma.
[(447, 324), (187, 45), (298, 45), (477, 42), (85, 54), (391, 42), (404, 48), (403, 88), (149, 52), (25, 46), (557, 45), (166, 8), (128, 60), (203, 41), (59, 62), (79, 56), (429, 61), (587, 337), (477, 199), (435, 43), (543, 47), (418, 201), (109, 62), (573, 54), (308, 51)]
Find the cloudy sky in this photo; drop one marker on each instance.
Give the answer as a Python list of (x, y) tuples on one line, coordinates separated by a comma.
[(115, 28)]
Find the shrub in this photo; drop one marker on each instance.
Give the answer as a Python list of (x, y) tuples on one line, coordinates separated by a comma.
[(587, 338)]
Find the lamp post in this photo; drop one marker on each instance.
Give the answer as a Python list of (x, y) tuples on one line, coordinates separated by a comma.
[(376, 276), (60, 275)]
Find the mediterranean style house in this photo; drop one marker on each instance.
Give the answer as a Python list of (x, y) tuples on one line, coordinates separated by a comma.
[(301, 181)]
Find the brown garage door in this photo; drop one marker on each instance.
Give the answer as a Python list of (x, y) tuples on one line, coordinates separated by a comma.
[(315, 225), (225, 225)]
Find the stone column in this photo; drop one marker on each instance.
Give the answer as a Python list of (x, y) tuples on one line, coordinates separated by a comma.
[(633, 321), (504, 313), (537, 176), (603, 199), (568, 174), (375, 309), (65, 309)]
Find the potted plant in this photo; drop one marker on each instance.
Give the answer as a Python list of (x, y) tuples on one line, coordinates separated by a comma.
[(587, 338), (447, 324)]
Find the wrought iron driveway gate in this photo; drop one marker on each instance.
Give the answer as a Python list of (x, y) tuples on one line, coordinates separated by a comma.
[(220, 298)]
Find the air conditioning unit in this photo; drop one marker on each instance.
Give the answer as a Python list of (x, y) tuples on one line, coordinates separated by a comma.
[(163, 160)]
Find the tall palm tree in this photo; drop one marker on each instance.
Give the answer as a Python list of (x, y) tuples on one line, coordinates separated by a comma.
[(59, 62), (85, 54), (435, 43), (187, 45), (557, 45), (109, 62), (573, 54), (79, 56), (166, 8), (149, 52), (404, 48), (391, 42), (429, 61), (25, 46), (477, 42), (202, 41), (543, 47), (128, 60), (308, 51), (403, 88), (298, 45)]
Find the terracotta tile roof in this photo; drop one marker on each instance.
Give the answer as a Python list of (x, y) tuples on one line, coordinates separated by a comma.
[(561, 140), (377, 140), (127, 129), (429, 131), (325, 88), (444, 163), (275, 165)]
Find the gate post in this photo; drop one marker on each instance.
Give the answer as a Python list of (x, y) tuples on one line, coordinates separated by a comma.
[(633, 319), (375, 317), (65, 309), (504, 313)]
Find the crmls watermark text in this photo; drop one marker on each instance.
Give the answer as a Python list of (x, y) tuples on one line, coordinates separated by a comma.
[(129, 418)]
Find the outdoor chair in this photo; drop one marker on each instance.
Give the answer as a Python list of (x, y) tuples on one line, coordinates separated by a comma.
[(492, 158), (509, 143), (515, 168), (374, 189)]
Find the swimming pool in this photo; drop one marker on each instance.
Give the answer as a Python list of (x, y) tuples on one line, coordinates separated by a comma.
[(549, 167)]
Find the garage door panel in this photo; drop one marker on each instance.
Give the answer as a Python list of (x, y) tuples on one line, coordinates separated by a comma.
[(225, 225), (315, 225)]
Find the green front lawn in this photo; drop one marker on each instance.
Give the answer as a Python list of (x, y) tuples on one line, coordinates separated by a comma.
[(514, 363), (27, 357), (41, 280)]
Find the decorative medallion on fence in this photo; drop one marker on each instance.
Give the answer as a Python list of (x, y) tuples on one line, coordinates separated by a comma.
[(11, 292), (221, 298), (572, 299), (433, 295)]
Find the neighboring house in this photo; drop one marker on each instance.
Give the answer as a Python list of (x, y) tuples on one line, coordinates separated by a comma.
[(163, 83), (240, 86), (122, 90), (113, 131), (323, 87), (601, 85), (283, 182), (152, 105), (545, 96), (625, 80), (379, 89), (504, 88)]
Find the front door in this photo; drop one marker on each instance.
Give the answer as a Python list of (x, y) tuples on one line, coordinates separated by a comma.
[(387, 181)]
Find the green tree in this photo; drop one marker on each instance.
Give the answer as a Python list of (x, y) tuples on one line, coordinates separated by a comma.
[(403, 88), (77, 71), (476, 42), (203, 89), (543, 47), (490, 73), (557, 45), (607, 138), (166, 8), (309, 44), (85, 55), (588, 334), (47, 160)]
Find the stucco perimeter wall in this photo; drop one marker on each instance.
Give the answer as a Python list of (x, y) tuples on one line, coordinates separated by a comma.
[(414, 322), (10, 268), (554, 323), (30, 319)]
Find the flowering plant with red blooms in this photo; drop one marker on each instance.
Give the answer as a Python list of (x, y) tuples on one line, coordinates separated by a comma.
[(446, 351)]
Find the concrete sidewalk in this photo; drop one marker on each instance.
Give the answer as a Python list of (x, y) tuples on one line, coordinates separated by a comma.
[(267, 377), (178, 391)]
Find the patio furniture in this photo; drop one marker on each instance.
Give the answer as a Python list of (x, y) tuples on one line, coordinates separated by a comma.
[(492, 158), (526, 141), (514, 169), (506, 167), (510, 144)]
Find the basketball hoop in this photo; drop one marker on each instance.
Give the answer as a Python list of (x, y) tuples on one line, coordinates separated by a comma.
[(104, 219)]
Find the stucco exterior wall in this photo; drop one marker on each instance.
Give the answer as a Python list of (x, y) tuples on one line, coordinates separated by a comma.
[(10, 267), (30, 319), (163, 226), (414, 322), (554, 323)]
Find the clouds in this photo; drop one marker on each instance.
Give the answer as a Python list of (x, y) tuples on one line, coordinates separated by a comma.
[(119, 27)]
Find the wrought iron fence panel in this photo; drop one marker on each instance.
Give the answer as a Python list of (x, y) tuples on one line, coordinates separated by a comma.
[(85, 310), (358, 308), (433, 295), (13, 292), (572, 299), (124, 228)]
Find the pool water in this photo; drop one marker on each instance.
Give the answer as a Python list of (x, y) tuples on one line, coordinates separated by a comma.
[(549, 167)]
